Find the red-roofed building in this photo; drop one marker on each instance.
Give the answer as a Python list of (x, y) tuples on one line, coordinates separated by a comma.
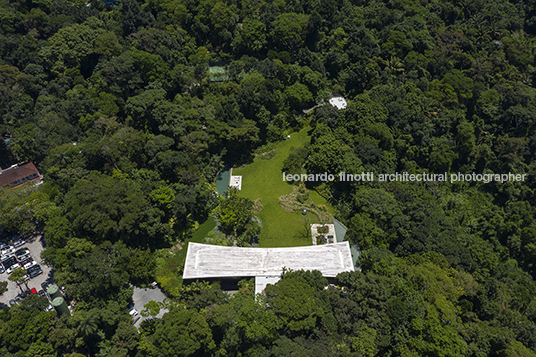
[(17, 175)]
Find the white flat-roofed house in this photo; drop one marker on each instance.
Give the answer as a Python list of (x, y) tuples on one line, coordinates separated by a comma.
[(338, 102), (205, 261)]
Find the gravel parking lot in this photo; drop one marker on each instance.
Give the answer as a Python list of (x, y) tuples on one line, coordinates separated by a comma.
[(35, 244)]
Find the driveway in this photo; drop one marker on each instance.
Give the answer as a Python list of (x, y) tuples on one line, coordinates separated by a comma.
[(36, 245), (142, 297)]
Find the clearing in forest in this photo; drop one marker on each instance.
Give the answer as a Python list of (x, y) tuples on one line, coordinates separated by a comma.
[(264, 179)]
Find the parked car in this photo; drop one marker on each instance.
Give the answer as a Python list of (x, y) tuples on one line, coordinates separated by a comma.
[(23, 257), (133, 312), (44, 285), (33, 291), (6, 257), (2, 270), (29, 264), (26, 261), (11, 302), (42, 293), (13, 267), (35, 267), (49, 307), (3, 246), (34, 271), (22, 251), (8, 250), (9, 261), (18, 243)]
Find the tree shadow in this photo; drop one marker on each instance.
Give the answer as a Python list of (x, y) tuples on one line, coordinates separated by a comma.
[(50, 277), (305, 231)]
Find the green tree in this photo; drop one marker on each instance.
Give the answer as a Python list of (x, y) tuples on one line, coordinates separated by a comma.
[(363, 230), (42, 349), (17, 276), (250, 37), (517, 51), (163, 196), (107, 44), (364, 343), (235, 213), (152, 308), (516, 348), (72, 44), (105, 208), (437, 332), (294, 302), (289, 30), (213, 238), (466, 138), (295, 161), (133, 16), (142, 267), (17, 208), (462, 84), (3, 287), (441, 159), (25, 324), (125, 340), (223, 16), (100, 274), (298, 96), (330, 154), (182, 333), (86, 325), (142, 107), (151, 67), (255, 322), (244, 324)]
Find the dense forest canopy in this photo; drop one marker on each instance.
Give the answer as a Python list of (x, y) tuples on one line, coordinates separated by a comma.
[(131, 108)]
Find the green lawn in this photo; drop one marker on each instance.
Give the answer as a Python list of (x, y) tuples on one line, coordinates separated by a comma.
[(263, 179), (202, 231), (319, 200), (197, 237), (169, 267)]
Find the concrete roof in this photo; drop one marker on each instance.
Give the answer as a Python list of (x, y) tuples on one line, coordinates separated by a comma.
[(236, 181), (262, 281), (338, 102), (213, 261)]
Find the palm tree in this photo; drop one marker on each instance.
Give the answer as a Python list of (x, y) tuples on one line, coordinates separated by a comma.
[(427, 106), (394, 65), (17, 276), (87, 326)]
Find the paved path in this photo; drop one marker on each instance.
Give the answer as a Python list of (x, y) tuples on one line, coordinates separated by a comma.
[(305, 111)]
